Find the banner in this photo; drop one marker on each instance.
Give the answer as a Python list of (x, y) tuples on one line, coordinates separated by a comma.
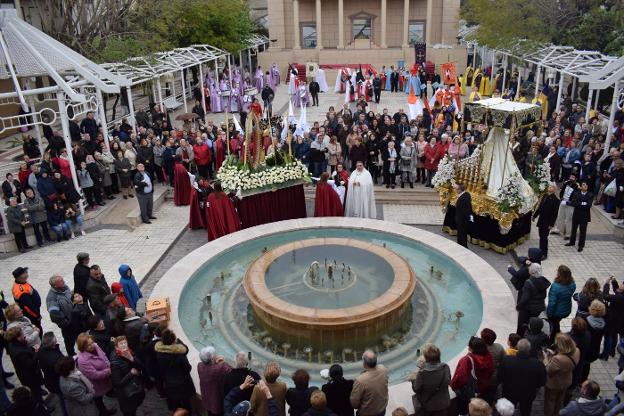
[(448, 74), (420, 53)]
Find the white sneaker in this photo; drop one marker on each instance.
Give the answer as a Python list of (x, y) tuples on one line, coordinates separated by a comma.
[(73, 235), (82, 232)]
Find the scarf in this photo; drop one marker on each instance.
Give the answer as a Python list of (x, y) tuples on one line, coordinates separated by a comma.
[(392, 154)]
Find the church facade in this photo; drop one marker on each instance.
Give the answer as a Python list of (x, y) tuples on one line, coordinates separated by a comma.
[(376, 32)]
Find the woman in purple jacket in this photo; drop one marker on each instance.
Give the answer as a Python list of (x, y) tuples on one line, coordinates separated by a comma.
[(94, 365)]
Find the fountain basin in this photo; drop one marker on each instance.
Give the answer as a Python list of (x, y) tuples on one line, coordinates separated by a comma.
[(376, 296)]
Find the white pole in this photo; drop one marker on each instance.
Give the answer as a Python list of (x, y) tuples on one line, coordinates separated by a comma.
[(590, 93), (102, 116), (249, 56), (231, 86), (492, 74), (517, 95), (154, 94), (537, 80), (474, 56), (240, 60), (60, 97), (173, 89), (611, 119), (131, 108), (573, 88), (504, 74), (560, 92), (31, 105), (597, 99), (203, 90), (160, 97), (183, 91)]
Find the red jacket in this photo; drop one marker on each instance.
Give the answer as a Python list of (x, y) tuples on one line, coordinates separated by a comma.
[(484, 369), (202, 154), (433, 155)]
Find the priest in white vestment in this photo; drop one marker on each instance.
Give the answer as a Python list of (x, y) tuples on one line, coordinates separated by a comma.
[(361, 194)]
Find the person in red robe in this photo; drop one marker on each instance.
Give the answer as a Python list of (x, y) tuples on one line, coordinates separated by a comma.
[(256, 107), (327, 203), (221, 216), (181, 183), (199, 195), (220, 150)]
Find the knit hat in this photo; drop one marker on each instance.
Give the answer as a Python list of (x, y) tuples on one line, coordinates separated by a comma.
[(241, 409), (19, 271), (82, 256)]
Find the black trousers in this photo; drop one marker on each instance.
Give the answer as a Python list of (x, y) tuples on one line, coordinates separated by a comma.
[(204, 171), (377, 96), (374, 171), (41, 228), (69, 339), (394, 86), (159, 173), (20, 239), (543, 239), (583, 231), (462, 234), (315, 99), (523, 321), (390, 178)]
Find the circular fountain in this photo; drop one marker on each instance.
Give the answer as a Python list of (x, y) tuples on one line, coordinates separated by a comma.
[(312, 292), (357, 293)]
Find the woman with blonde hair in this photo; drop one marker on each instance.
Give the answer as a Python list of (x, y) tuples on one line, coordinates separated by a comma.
[(15, 318), (259, 402), (479, 407), (560, 367)]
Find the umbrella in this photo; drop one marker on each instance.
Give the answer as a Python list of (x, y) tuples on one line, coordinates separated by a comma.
[(187, 116)]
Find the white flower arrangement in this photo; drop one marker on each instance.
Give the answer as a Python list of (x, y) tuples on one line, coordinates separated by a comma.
[(543, 175), (445, 174), (234, 178), (509, 195)]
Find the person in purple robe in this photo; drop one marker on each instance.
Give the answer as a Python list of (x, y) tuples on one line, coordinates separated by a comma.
[(259, 78), (302, 96), (225, 94), (274, 76), (215, 94)]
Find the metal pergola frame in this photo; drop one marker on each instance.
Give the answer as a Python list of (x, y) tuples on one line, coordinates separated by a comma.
[(599, 71)]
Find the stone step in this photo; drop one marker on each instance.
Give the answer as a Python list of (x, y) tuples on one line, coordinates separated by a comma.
[(417, 196), (92, 218), (161, 194), (606, 220)]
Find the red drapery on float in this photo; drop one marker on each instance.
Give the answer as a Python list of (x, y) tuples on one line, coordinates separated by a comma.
[(283, 204)]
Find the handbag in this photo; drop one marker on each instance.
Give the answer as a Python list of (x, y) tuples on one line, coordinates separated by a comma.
[(610, 189), (470, 389)]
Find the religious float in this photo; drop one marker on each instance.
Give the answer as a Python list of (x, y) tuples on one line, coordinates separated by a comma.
[(268, 181), (502, 200)]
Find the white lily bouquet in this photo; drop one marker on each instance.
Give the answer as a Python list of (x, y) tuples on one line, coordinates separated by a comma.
[(445, 174), (235, 177), (509, 196)]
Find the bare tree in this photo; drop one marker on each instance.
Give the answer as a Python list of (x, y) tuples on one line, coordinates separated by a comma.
[(84, 24)]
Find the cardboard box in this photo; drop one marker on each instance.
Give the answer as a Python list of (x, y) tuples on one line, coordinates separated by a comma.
[(158, 304)]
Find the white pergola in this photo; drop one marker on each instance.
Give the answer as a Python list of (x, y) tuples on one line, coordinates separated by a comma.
[(27, 54), (599, 71)]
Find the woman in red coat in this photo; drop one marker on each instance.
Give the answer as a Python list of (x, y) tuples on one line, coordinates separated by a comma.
[(181, 183), (327, 203), (220, 150), (203, 157), (478, 362), (221, 216), (434, 152)]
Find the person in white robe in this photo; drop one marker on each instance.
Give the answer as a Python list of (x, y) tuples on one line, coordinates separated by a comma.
[(322, 81), (361, 194)]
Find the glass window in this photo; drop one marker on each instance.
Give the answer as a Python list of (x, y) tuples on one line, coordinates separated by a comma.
[(308, 35), (362, 28), (416, 32)]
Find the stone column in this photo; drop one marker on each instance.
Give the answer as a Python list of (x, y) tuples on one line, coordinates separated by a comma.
[(319, 26), (383, 23), (297, 44), (429, 23), (405, 23), (340, 24)]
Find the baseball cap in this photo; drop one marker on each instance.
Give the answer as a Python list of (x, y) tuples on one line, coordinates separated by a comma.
[(241, 409), (82, 256), (19, 271)]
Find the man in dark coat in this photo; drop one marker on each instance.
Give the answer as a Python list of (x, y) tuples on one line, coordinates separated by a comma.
[(521, 376), (48, 355), (547, 212), (81, 274), (237, 376), (89, 126), (377, 89), (25, 362), (582, 202), (531, 302), (463, 214), (518, 277), (314, 88), (97, 290)]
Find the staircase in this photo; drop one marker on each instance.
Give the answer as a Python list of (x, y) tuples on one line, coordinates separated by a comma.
[(406, 196)]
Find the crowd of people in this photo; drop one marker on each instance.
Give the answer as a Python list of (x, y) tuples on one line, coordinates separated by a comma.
[(111, 351)]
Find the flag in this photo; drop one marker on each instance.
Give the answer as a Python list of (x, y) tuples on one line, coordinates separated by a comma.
[(284, 128), (291, 113), (237, 125), (414, 105), (448, 74)]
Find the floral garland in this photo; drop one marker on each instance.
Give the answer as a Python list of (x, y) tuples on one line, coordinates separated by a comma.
[(508, 196), (540, 178), (445, 174), (234, 177)]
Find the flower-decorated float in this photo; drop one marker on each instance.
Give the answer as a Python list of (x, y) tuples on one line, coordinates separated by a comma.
[(502, 200), (266, 177)]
